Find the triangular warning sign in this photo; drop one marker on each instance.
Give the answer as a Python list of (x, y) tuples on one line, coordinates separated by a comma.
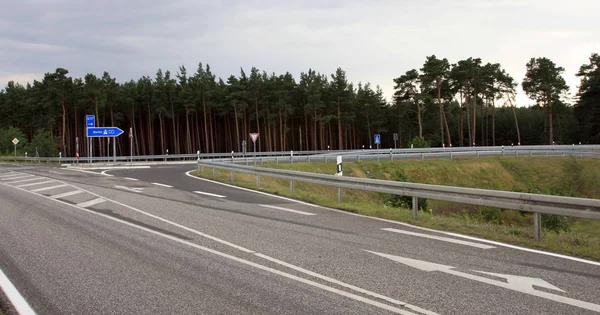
[(254, 136)]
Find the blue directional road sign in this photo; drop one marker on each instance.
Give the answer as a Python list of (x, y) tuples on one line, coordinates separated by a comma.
[(377, 138), (90, 121), (104, 132)]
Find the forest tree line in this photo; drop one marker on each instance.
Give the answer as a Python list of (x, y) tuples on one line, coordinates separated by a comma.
[(462, 104)]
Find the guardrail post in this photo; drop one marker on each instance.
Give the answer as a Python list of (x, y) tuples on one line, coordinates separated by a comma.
[(326, 159), (422, 157), (537, 226), (257, 180), (309, 159), (276, 160), (339, 194), (291, 186), (415, 207), (391, 155)]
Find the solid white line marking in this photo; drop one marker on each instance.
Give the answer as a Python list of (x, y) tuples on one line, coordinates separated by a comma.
[(18, 177), (67, 194), (288, 210), (375, 303), (440, 238), (23, 180), (163, 185), (535, 251), (209, 194), (104, 173), (49, 188), (15, 298), (34, 184), (252, 264), (91, 203), (129, 178)]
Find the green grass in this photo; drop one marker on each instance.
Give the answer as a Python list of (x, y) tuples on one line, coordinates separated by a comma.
[(552, 175)]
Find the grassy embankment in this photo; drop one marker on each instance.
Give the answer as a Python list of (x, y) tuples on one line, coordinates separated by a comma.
[(551, 175)]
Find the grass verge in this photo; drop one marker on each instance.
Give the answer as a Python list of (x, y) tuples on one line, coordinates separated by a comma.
[(509, 226)]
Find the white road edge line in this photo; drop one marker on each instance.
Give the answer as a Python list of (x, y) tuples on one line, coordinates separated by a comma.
[(34, 184), (48, 188), (535, 251), (67, 194), (240, 260), (440, 238), (15, 298), (129, 178), (91, 202), (163, 185), (209, 194), (288, 210)]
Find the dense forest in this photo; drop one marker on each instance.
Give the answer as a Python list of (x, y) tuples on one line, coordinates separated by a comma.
[(462, 104)]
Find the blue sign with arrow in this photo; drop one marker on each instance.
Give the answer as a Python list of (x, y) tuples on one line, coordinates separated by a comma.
[(104, 132), (90, 121), (377, 138)]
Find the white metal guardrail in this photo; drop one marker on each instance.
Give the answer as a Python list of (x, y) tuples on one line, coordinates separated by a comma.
[(534, 203), (589, 151)]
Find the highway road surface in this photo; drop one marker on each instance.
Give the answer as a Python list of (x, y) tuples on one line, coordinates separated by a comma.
[(155, 240)]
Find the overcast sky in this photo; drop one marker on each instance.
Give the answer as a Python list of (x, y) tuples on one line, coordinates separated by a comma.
[(374, 41)]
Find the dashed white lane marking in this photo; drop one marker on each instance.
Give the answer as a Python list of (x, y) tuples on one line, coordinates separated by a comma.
[(288, 210), (38, 183), (209, 194), (16, 299), (440, 238), (524, 249), (91, 202), (23, 180), (67, 194), (163, 185), (49, 188), (129, 178)]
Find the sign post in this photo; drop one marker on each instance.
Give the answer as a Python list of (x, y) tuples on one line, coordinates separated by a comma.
[(15, 141), (395, 140), (109, 132), (254, 137), (77, 148), (90, 122), (377, 139), (131, 143)]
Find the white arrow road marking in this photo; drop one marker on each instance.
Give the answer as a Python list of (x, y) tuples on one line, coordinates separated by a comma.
[(440, 238), (209, 194), (515, 283), (132, 189), (524, 282), (288, 210)]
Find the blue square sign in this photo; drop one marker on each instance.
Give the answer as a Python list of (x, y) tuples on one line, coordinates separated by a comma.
[(377, 138), (90, 121)]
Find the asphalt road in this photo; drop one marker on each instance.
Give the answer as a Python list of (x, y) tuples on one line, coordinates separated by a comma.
[(157, 241)]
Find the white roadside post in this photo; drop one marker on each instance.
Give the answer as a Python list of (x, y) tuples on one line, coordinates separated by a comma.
[(339, 173)]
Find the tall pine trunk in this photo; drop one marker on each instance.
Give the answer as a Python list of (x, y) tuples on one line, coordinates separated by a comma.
[(474, 133), (150, 131), (173, 119), (237, 130)]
